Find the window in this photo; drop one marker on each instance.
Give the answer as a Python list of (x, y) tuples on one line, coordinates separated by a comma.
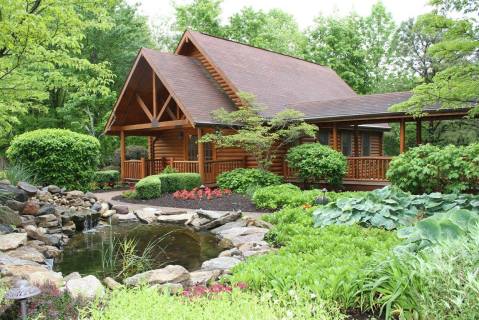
[(208, 151), (346, 143), (366, 145), (323, 137), (192, 148)]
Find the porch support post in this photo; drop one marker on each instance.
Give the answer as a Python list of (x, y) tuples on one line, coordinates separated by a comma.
[(155, 112), (201, 155), (356, 141), (418, 132), (402, 136), (335, 137), (122, 155)]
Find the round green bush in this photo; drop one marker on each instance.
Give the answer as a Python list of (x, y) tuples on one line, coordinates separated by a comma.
[(314, 162), (57, 156), (429, 168), (149, 187), (171, 182), (242, 180)]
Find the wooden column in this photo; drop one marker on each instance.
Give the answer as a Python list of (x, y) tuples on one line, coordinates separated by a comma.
[(418, 132), (402, 136), (122, 155), (356, 141), (335, 137), (201, 155), (154, 94), (142, 167)]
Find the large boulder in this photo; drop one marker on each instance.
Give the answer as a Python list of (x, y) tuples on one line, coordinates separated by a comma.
[(83, 217), (175, 218), (15, 205), (40, 234), (27, 253), (146, 215), (7, 260), (28, 188), (8, 216), (206, 220), (221, 263), (169, 274), (88, 288), (12, 241), (14, 192), (35, 274), (243, 234), (235, 224), (120, 209)]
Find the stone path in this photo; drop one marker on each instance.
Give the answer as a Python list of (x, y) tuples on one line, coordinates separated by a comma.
[(108, 196)]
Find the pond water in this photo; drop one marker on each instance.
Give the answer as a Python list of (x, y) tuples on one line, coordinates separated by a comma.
[(87, 252)]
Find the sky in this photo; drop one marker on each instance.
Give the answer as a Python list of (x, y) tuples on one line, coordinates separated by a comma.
[(303, 10)]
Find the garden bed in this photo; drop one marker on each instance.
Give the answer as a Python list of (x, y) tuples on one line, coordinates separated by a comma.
[(233, 201)]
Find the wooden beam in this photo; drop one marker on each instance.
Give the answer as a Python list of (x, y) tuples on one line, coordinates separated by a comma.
[(170, 113), (402, 136), (356, 141), (154, 93), (144, 107), (418, 132), (201, 155), (122, 155), (335, 137), (161, 125), (163, 108)]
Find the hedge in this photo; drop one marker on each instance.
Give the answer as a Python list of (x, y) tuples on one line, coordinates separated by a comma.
[(106, 177), (149, 187), (57, 156), (245, 180), (153, 186)]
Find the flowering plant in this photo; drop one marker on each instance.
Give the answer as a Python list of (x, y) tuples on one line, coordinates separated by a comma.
[(201, 193), (215, 288)]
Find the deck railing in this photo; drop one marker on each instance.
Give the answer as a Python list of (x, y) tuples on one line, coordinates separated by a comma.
[(358, 168), (138, 169)]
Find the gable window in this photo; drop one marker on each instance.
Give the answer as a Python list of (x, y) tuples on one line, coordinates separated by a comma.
[(365, 145), (346, 143), (323, 137)]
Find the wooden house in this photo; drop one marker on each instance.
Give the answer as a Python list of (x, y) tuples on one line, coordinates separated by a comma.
[(169, 97)]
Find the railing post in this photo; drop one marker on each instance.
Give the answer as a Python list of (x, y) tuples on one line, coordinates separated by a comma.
[(122, 155), (142, 167), (171, 163), (201, 155)]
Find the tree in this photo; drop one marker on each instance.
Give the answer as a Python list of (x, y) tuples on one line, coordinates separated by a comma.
[(257, 135), (274, 30), (456, 83), (200, 15)]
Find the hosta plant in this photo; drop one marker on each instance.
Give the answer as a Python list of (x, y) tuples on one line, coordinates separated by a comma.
[(391, 208)]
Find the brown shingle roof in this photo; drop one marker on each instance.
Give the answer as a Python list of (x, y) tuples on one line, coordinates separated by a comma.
[(275, 79), (190, 83)]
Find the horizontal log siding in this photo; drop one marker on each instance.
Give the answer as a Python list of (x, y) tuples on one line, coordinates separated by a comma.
[(168, 145)]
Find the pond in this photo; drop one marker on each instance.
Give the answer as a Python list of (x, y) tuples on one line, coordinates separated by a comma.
[(88, 252)]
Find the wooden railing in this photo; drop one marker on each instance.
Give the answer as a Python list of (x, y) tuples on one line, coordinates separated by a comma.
[(138, 169), (359, 168), (368, 168)]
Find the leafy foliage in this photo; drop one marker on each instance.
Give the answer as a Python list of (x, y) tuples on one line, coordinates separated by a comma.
[(148, 187), (132, 152), (244, 180), (18, 172), (154, 186), (57, 156), (106, 177), (430, 168), (315, 162), (391, 208), (258, 136)]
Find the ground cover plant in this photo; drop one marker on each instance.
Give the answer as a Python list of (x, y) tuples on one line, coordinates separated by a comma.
[(247, 180), (429, 168), (391, 208)]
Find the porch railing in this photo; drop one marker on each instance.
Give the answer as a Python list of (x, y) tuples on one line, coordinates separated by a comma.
[(358, 168), (138, 169)]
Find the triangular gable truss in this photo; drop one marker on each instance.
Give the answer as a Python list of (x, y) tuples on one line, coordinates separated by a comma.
[(157, 114)]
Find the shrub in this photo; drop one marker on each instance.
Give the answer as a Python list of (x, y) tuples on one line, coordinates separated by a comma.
[(148, 188), (172, 182), (131, 153), (200, 194), (428, 168), (315, 162), (243, 180), (57, 156), (169, 169), (106, 177)]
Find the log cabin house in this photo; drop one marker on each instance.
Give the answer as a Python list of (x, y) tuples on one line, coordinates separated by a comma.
[(169, 97)]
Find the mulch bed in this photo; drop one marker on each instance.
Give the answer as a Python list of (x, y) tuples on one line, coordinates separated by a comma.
[(225, 203)]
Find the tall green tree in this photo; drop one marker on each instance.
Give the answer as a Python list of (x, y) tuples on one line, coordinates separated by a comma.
[(200, 15)]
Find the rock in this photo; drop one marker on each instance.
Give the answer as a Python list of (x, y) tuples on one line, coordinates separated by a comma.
[(35, 274), (174, 218), (254, 248), (31, 208), (90, 195), (53, 189), (234, 252), (38, 234), (171, 288), (12, 241), (108, 213), (211, 215), (14, 192), (235, 224), (243, 234), (111, 283), (28, 220), (51, 252), (96, 207), (250, 222), (225, 244), (170, 212), (27, 253), (75, 194), (28, 188), (169, 274), (88, 288), (120, 209), (130, 217), (47, 218), (44, 196), (5, 181), (6, 229), (8, 216), (204, 277), (104, 207), (83, 217), (229, 217), (146, 215), (69, 228), (15, 205), (46, 209), (220, 263), (72, 276)]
